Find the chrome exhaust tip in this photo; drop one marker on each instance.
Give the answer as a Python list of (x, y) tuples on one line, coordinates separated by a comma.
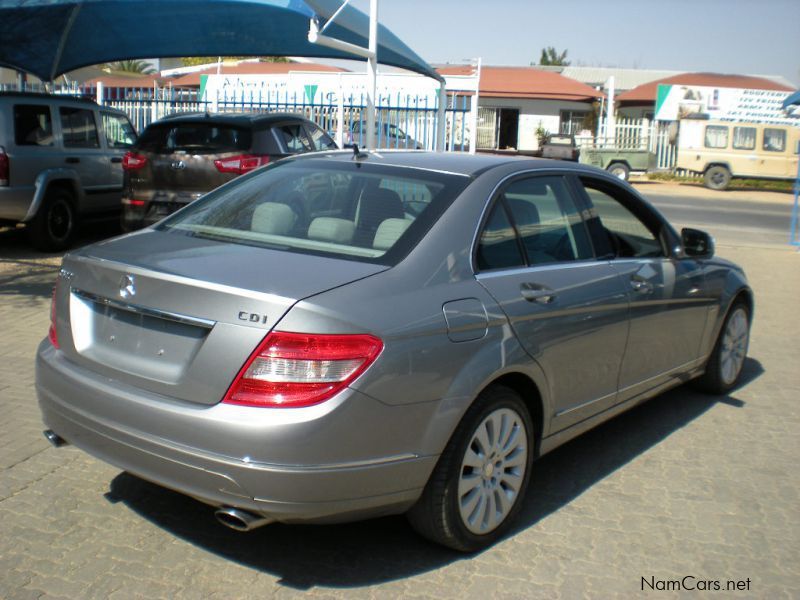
[(240, 520), (56, 440)]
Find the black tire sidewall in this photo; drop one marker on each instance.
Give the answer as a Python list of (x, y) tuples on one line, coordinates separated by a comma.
[(41, 233), (616, 168)]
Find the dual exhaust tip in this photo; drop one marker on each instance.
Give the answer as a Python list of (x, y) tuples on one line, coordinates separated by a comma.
[(234, 518)]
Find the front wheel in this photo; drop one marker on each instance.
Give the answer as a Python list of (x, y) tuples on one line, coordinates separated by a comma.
[(726, 362), (478, 484)]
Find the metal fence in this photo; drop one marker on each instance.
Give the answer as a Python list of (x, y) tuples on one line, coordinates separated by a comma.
[(403, 121)]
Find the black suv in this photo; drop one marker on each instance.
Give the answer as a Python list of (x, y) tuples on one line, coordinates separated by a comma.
[(181, 157)]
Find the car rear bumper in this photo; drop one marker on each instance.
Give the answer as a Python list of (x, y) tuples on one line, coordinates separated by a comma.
[(311, 491)]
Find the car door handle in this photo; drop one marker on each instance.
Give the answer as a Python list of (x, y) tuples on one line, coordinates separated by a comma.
[(116, 159), (73, 160), (533, 292), (641, 285)]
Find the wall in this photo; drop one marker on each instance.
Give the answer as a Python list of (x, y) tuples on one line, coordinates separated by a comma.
[(532, 113)]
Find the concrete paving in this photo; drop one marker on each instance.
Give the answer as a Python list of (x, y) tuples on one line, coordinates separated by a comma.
[(686, 488)]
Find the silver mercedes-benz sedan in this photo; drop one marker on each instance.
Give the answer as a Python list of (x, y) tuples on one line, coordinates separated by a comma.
[(340, 336)]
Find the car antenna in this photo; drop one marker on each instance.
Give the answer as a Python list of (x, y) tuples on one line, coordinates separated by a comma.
[(357, 154)]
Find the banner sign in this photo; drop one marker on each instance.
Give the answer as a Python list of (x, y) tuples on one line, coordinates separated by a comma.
[(675, 102), (320, 88)]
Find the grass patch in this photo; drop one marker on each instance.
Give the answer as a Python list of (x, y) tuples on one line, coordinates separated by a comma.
[(741, 184)]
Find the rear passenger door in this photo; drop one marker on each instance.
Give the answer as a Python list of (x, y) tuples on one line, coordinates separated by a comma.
[(84, 154), (568, 309)]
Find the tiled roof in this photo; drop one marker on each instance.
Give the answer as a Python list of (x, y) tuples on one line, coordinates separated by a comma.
[(646, 93), (525, 82)]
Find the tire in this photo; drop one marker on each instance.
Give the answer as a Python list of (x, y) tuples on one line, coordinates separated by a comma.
[(724, 367), (619, 170), (717, 178), (455, 507), (53, 227)]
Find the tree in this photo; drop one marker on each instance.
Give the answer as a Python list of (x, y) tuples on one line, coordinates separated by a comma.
[(190, 61), (130, 66), (550, 56)]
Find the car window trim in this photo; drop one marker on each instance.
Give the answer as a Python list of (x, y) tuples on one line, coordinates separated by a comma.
[(639, 207), (497, 192)]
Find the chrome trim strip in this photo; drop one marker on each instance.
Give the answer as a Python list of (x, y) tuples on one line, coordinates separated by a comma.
[(141, 310)]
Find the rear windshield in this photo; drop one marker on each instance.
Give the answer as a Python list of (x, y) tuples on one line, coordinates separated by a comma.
[(359, 211), (197, 138)]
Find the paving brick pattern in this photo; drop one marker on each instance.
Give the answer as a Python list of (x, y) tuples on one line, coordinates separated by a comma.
[(686, 485)]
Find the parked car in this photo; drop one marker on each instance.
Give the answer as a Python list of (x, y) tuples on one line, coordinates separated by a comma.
[(387, 135), (181, 157), (721, 150), (60, 160), (336, 337), (620, 162), (560, 146)]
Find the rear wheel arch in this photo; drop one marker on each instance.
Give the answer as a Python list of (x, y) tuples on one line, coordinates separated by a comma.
[(529, 392)]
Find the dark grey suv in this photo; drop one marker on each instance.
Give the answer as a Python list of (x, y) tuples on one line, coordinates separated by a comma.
[(60, 158), (181, 157)]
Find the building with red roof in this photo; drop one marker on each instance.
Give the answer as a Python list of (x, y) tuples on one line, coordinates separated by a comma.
[(517, 104)]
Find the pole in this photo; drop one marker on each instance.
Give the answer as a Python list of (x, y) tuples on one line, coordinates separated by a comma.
[(473, 117), (441, 118), (611, 124), (372, 68)]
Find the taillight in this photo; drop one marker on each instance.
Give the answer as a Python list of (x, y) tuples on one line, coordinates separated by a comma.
[(292, 370), (52, 333), (133, 202), (240, 164), (133, 162), (4, 167)]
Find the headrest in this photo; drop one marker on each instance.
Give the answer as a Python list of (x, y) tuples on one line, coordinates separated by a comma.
[(272, 217), (389, 231), (331, 229)]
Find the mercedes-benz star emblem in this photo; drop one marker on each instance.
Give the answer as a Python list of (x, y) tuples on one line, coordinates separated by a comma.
[(127, 286)]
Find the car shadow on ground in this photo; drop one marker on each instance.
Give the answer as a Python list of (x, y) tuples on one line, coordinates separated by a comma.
[(27, 273), (386, 549)]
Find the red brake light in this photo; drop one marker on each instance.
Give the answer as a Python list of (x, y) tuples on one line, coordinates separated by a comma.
[(4, 167), (52, 333), (241, 164), (292, 370), (133, 162)]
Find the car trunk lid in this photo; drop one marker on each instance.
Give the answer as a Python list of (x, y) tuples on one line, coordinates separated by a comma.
[(178, 315)]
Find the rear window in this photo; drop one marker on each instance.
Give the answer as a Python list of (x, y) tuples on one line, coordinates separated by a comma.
[(358, 211), (196, 138)]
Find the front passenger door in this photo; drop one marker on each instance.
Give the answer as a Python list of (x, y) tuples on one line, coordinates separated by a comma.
[(669, 304), (568, 310)]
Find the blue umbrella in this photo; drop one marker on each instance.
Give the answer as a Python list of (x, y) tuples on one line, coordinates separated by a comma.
[(50, 37)]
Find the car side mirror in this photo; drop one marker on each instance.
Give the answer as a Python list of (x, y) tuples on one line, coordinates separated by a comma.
[(696, 243)]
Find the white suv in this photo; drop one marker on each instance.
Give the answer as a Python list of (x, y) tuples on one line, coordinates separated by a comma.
[(60, 157)]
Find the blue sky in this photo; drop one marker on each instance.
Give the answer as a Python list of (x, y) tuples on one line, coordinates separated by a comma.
[(754, 37)]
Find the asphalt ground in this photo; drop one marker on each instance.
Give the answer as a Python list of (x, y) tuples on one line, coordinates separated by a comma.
[(685, 491)]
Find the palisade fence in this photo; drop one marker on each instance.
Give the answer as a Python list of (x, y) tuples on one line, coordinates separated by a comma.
[(415, 117), (637, 134)]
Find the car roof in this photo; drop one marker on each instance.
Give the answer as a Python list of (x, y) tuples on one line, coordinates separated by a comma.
[(233, 119), (61, 98), (458, 163)]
